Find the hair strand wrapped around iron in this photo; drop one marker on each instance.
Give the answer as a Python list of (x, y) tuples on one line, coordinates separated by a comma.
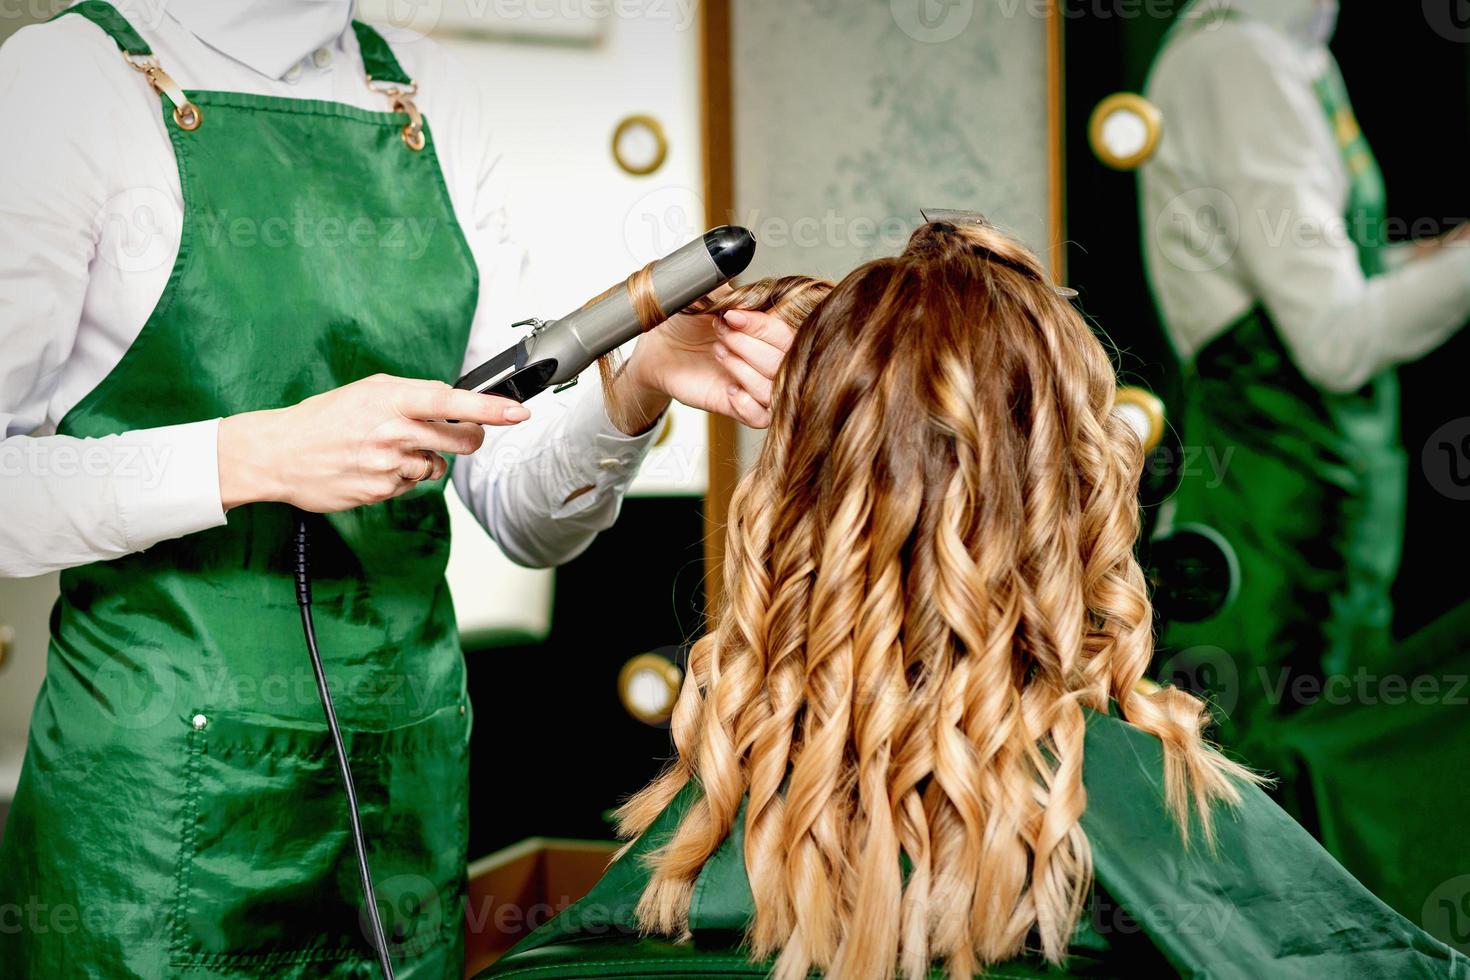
[(791, 298)]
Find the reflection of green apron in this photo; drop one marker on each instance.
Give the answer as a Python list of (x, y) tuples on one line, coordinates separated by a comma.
[(1384, 754), (1266, 902), (1312, 501), (179, 810), (1311, 498)]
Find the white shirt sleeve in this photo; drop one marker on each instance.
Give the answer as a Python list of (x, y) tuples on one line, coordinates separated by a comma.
[(71, 501), (1263, 122), (543, 489)]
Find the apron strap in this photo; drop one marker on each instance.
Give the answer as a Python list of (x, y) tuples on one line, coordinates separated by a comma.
[(385, 75), (377, 61), (377, 57), (113, 24), (139, 56)]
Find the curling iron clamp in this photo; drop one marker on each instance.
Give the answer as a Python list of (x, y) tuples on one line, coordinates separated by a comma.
[(555, 352)]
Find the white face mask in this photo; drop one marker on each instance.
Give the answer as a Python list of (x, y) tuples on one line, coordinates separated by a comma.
[(1308, 22), (1318, 23)]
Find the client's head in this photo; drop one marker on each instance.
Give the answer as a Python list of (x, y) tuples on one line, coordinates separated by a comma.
[(929, 576)]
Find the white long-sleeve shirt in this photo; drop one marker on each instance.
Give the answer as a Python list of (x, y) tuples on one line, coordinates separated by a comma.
[(1244, 204), (90, 216)]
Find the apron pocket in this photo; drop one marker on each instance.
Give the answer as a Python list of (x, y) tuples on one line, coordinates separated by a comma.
[(267, 874)]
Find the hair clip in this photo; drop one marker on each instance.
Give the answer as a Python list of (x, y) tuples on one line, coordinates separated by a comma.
[(956, 217)]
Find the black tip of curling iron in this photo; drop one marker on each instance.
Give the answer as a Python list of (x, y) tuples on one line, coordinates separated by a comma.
[(731, 247)]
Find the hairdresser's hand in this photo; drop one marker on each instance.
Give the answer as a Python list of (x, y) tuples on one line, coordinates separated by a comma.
[(1457, 237), (719, 364), (358, 444)]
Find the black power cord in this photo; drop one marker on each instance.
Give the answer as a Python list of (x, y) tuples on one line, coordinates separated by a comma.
[(303, 600)]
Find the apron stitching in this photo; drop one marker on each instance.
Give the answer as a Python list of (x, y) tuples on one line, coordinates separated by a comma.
[(299, 107), (431, 154), (187, 839), (182, 261), (186, 236), (419, 945), (441, 934)]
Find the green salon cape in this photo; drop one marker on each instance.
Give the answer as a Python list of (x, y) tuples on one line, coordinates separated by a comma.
[(1266, 902), (179, 811)]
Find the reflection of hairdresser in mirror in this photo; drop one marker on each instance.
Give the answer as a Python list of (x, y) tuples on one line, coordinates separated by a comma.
[(1265, 233), (913, 736)]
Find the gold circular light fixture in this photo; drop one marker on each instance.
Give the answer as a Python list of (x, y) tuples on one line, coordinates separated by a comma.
[(1144, 412), (648, 687), (639, 145), (1125, 130)]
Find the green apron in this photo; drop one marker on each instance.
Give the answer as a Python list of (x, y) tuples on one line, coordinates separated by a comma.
[(1311, 499), (179, 810), (1383, 759), (1265, 902)]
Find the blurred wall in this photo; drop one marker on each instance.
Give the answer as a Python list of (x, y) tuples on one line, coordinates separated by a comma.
[(25, 603), (852, 115), (14, 16)]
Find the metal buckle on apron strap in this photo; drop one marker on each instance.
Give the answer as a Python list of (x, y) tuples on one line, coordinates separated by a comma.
[(399, 100), (186, 114)]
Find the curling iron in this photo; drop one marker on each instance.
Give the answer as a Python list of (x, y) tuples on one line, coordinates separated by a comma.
[(555, 352)]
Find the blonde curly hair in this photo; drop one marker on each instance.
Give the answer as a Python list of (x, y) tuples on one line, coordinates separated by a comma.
[(929, 576)]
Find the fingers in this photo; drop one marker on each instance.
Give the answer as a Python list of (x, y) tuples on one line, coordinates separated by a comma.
[(392, 469), (746, 409), (753, 382), (420, 443), (762, 326), (751, 346), (457, 438), (429, 400), (756, 351), (420, 466)]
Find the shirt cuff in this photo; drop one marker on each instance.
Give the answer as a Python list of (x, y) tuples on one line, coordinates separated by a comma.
[(1397, 255), (600, 457), (167, 482)]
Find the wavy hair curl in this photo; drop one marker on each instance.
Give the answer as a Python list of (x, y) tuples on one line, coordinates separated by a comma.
[(929, 575)]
